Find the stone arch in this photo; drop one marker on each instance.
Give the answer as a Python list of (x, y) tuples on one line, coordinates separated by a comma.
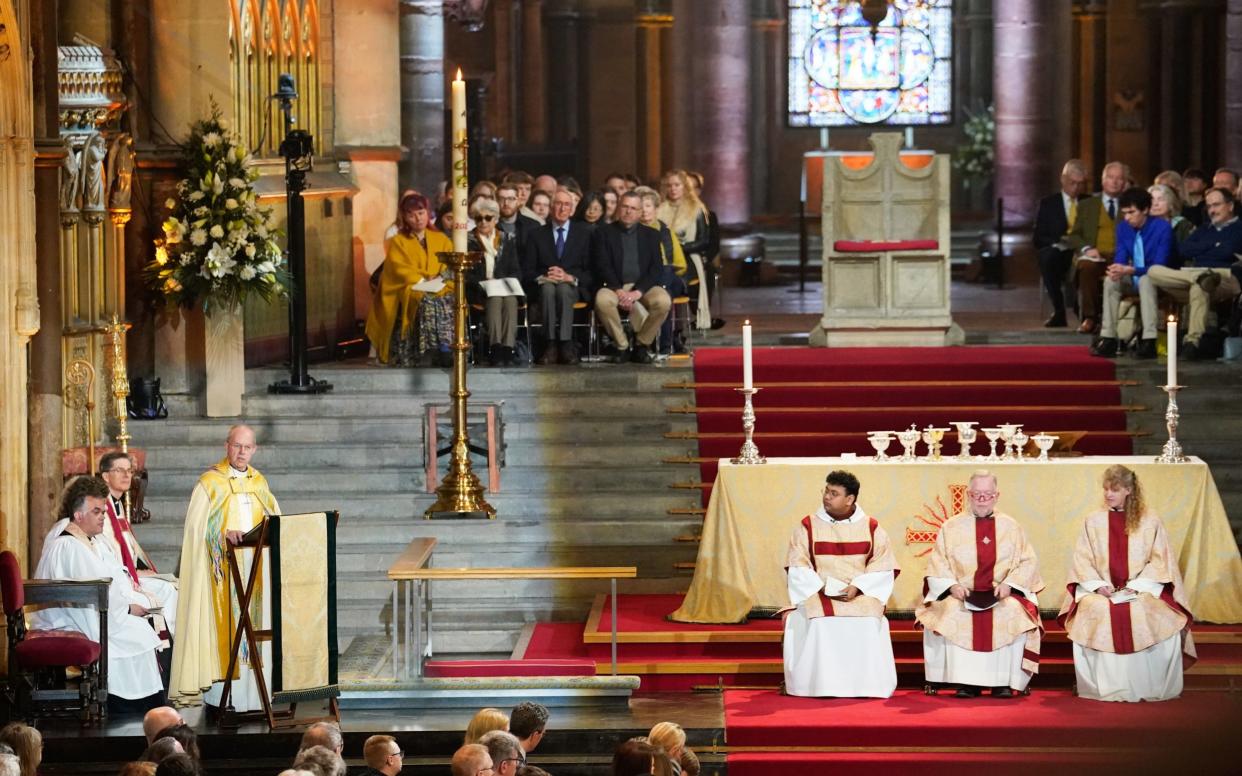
[(19, 306)]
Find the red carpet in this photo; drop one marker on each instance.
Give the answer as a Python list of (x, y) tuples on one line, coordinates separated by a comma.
[(1044, 388), (1048, 727)]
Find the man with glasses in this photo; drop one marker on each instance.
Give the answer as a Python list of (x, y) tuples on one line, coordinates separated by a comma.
[(472, 760), (560, 256), (841, 569), (383, 756), (504, 750), (528, 722), (627, 269), (979, 614)]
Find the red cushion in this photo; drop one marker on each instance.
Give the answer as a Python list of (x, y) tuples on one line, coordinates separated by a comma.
[(870, 246), (464, 668), (11, 583), (56, 648)]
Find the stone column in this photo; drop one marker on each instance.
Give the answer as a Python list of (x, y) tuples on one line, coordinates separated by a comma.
[(767, 101), (568, 73), (534, 75), (719, 103), (422, 94), (1232, 141), (972, 63), (1032, 67), (653, 71)]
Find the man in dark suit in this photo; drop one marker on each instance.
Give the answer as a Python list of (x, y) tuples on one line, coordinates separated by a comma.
[(626, 267), (517, 226), (1054, 218), (561, 254), (1093, 239)]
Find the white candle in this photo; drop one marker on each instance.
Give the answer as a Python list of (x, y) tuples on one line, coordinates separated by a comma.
[(748, 379), (461, 178), (1171, 329)]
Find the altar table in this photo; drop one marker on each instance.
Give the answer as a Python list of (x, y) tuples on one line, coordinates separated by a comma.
[(754, 508)]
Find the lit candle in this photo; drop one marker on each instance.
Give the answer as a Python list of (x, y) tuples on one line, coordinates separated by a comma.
[(1172, 349), (748, 379), (461, 178)]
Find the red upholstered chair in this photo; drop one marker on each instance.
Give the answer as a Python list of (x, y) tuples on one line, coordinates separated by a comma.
[(38, 658)]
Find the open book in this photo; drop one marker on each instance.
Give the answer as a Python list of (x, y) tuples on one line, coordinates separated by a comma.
[(980, 600), (429, 285), (1123, 596), (502, 287)]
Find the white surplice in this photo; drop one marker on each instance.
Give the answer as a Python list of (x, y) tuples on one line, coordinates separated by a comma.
[(1152, 674), (847, 657), (133, 671), (947, 663)]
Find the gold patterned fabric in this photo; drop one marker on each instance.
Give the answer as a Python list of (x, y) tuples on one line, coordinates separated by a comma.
[(1105, 553), (754, 508), (303, 573), (841, 550)]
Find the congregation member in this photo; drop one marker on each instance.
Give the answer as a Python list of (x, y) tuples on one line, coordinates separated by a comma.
[(1143, 243), (383, 756), (561, 255), (840, 571), (27, 743), (1205, 277), (516, 225), (506, 753), (672, 256), (523, 185), (1054, 217), (610, 205), (471, 760), (485, 721), (545, 183), (626, 270), (161, 749), (615, 182), (1225, 178), (405, 325), (540, 206), (529, 723), (325, 734), (1167, 204), (1127, 612), (1195, 183), (185, 736), (1092, 239), (159, 718), (690, 765), (229, 499), (686, 216), (591, 209), (319, 760), (711, 259), (500, 261), (670, 737), (635, 757), (77, 552), (979, 614)]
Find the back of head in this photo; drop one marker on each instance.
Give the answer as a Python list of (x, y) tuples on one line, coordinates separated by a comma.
[(185, 735), (325, 734), (178, 765), (690, 763), (532, 770), (527, 719), (485, 721), (501, 746), (633, 758), (27, 744), (158, 719), (137, 768), (669, 736), (377, 750), (161, 749), (468, 759), (321, 761)]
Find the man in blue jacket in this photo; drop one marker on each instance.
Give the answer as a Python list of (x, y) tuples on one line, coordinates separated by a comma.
[(1143, 243)]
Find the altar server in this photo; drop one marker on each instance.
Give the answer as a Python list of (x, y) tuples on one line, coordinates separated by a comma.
[(840, 569), (1126, 611), (979, 613), (77, 552)]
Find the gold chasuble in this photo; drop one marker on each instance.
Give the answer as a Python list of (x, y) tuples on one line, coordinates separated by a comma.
[(979, 553), (207, 611), (841, 550), (1142, 560)]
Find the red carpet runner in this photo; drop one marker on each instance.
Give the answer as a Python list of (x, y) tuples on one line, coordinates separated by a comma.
[(1044, 388)]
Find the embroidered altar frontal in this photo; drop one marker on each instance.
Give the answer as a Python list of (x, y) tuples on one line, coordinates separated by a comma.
[(303, 573)]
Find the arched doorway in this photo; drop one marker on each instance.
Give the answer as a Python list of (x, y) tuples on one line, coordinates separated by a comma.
[(19, 305)]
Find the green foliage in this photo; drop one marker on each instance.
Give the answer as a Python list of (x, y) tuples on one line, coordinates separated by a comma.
[(217, 248), (976, 158)]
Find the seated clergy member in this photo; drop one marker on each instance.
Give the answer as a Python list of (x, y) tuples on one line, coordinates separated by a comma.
[(840, 574), (116, 469), (979, 614), (1143, 242), (78, 553), (1126, 611)]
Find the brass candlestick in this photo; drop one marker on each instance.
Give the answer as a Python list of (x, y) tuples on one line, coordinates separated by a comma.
[(120, 381), (460, 494), (750, 451), (1172, 451)]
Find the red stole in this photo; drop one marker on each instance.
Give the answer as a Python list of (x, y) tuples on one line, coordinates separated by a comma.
[(985, 569), (1118, 575), (836, 548), (126, 558)]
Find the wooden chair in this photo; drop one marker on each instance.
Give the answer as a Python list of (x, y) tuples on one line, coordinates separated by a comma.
[(38, 658)]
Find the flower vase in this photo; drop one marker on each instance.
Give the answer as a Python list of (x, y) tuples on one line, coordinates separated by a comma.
[(225, 357)]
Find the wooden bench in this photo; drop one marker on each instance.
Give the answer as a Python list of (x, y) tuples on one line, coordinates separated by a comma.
[(415, 558), (422, 576)]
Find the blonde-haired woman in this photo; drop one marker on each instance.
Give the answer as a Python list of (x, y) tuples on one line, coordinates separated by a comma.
[(670, 737), (686, 215), (484, 722), (1126, 611)]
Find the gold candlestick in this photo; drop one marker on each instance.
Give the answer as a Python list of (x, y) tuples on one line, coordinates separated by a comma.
[(1172, 451), (120, 381), (460, 494), (750, 451)]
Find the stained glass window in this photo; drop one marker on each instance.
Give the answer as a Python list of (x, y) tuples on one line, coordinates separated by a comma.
[(843, 72)]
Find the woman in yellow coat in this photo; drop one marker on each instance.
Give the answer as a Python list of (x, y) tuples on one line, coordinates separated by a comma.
[(405, 324)]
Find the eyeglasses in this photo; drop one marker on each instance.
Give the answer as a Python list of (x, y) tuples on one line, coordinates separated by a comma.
[(397, 753), (981, 496), (487, 218)]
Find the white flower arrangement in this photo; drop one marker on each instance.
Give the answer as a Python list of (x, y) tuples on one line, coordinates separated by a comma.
[(217, 248)]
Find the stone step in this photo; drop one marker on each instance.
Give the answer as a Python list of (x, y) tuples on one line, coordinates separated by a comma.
[(550, 405), (350, 378)]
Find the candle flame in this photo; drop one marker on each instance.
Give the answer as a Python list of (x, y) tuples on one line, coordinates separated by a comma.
[(1172, 318), (747, 321), (458, 74)]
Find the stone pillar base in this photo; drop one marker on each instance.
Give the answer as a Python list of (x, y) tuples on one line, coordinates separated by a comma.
[(906, 337)]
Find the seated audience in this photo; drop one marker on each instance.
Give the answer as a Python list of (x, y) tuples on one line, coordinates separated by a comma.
[(185, 735), (635, 757), (626, 270), (1166, 204), (540, 205), (320, 760), (179, 765), (523, 185), (485, 721), (483, 188), (531, 770), (505, 751), (1195, 183), (560, 253), (161, 749), (1205, 277), (1225, 178), (1054, 217), (686, 216), (690, 763), (137, 768), (1143, 243), (405, 325), (500, 260), (674, 258), (1093, 238), (383, 756), (711, 259), (610, 205), (471, 759), (1126, 612), (78, 553), (528, 722), (515, 224), (591, 208), (546, 183), (158, 719), (27, 743), (325, 734), (670, 737), (615, 182)]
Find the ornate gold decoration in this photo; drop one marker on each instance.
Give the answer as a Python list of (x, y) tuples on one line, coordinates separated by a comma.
[(926, 525), (120, 382), (81, 378), (89, 88)]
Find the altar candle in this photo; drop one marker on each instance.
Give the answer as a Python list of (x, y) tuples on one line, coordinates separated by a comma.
[(461, 178), (1171, 329), (748, 380)]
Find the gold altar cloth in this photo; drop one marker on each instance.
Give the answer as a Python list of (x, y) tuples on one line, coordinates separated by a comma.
[(754, 507)]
